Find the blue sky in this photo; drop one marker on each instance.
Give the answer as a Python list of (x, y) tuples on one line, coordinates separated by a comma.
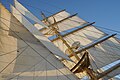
[(106, 13)]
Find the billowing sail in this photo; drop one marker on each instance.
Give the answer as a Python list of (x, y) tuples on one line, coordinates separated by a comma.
[(84, 36), (105, 50), (101, 54), (23, 57), (38, 35), (27, 13)]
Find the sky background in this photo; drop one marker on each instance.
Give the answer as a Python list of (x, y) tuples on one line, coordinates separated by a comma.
[(106, 13)]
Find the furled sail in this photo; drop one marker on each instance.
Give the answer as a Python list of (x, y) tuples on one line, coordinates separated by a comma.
[(27, 13), (23, 57), (38, 35)]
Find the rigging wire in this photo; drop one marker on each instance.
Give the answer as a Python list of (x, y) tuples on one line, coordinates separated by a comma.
[(96, 26), (48, 11), (44, 10), (108, 29), (47, 3)]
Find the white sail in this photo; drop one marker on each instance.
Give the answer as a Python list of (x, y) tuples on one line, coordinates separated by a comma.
[(23, 57), (59, 16), (80, 36), (38, 35), (102, 54), (67, 23), (70, 23), (45, 31), (84, 36), (64, 14), (5, 43), (105, 52), (27, 13)]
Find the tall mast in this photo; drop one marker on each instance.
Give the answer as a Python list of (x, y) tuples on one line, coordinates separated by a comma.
[(88, 71), (59, 35)]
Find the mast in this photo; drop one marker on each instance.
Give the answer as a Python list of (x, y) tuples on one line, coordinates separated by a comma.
[(86, 65), (59, 35), (99, 42)]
